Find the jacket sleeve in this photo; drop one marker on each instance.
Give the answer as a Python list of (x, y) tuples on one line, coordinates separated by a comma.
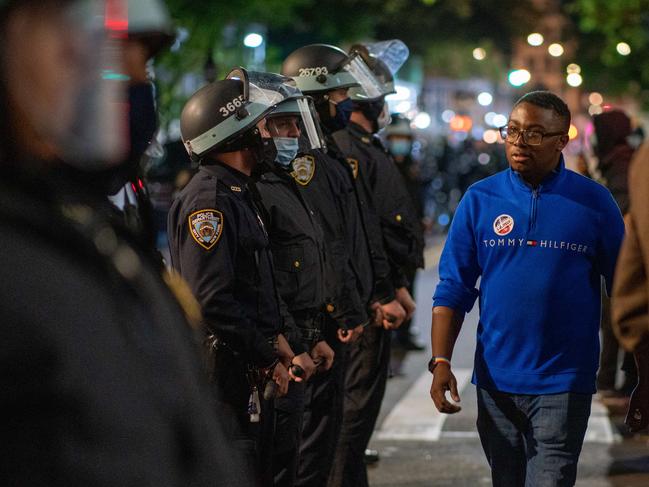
[(212, 277), (630, 302), (458, 267), (610, 240)]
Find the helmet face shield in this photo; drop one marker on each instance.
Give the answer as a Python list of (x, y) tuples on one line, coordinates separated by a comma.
[(369, 85), (302, 108), (384, 58)]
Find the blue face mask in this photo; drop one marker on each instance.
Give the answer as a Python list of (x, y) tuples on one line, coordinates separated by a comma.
[(287, 148), (400, 147)]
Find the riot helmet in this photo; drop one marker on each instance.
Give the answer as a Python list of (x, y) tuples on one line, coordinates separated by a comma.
[(223, 115), (384, 59), (320, 69), (149, 22)]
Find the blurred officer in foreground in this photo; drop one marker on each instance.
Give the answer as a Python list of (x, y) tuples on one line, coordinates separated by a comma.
[(297, 244), (100, 373), (219, 244), (324, 177), (630, 303), (396, 230)]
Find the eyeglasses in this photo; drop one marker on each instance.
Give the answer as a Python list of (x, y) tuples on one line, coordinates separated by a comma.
[(530, 137)]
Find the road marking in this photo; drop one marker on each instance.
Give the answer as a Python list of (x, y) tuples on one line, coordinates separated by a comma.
[(414, 417)]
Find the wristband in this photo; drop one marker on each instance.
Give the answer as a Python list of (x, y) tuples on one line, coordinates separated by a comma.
[(436, 360)]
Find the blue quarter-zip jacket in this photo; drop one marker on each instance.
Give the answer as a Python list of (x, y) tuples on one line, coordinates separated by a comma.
[(539, 254)]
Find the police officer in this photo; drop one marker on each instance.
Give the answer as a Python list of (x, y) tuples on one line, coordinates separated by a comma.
[(219, 244), (297, 243), (379, 181), (99, 370), (399, 138), (362, 273)]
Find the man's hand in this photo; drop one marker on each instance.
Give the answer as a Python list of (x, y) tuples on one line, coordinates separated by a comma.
[(444, 380), (405, 299), (280, 377), (323, 354), (393, 315), (351, 335), (284, 351), (306, 363)]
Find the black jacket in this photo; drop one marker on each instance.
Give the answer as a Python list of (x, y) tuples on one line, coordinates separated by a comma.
[(297, 244), (381, 184), (219, 245), (99, 370)]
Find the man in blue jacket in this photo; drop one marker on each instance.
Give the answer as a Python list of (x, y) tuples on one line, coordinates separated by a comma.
[(539, 237)]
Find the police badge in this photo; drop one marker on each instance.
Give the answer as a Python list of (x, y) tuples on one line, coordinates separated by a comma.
[(303, 169), (205, 227), (353, 163)]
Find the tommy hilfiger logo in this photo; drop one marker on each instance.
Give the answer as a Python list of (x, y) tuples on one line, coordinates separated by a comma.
[(542, 244)]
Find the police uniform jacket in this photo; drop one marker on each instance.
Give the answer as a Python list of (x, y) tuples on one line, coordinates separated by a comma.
[(327, 189), (218, 243), (99, 370), (297, 244), (380, 181)]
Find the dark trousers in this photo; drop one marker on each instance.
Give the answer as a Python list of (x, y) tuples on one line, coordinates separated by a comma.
[(253, 440), (289, 411), (365, 379), (322, 417)]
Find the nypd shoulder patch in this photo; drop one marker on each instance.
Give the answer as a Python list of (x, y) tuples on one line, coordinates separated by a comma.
[(303, 169), (205, 227)]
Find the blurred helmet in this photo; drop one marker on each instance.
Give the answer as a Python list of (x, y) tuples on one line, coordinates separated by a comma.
[(400, 126), (224, 114), (149, 22)]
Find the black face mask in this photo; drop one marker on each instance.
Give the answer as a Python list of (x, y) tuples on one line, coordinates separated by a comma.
[(341, 119), (143, 123), (372, 111)]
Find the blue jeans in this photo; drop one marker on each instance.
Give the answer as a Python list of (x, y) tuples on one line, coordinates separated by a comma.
[(532, 440)]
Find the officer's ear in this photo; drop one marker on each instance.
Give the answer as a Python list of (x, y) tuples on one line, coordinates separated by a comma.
[(263, 129), (562, 142)]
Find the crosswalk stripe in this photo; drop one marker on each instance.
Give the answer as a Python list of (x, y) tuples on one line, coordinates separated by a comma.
[(415, 418)]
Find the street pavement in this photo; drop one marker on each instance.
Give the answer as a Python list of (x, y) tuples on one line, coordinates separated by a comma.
[(421, 447)]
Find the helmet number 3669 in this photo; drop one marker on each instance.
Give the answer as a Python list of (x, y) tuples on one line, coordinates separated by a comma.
[(231, 106)]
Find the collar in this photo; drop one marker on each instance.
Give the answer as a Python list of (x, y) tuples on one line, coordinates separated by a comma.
[(550, 181), (360, 133), (235, 180)]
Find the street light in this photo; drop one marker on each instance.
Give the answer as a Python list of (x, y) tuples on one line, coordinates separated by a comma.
[(573, 68), (595, 98), (535, 39), (623, 49), (422, 120), (555, 49), (574, 79), (519, 77), (485, 98), (479, 54), (253, 40)]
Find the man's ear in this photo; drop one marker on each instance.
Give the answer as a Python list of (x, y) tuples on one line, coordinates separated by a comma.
[(562, 142)]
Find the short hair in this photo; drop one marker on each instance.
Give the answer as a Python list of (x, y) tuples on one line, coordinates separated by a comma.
[(547, 100)]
